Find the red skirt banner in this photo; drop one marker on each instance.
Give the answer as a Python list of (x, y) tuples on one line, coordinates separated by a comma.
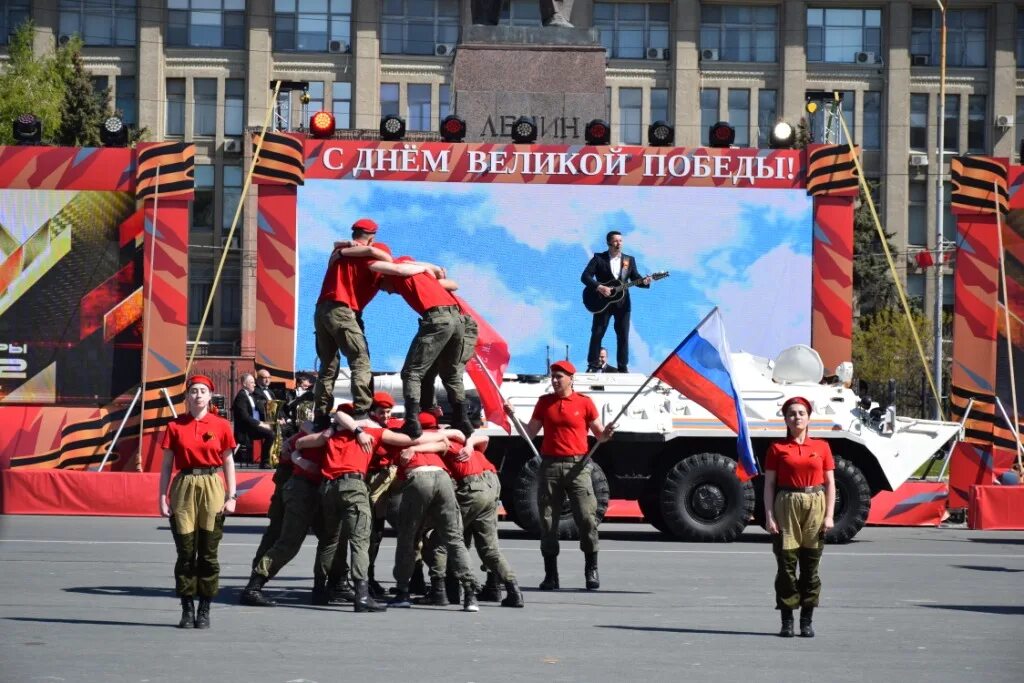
[(915, 503)]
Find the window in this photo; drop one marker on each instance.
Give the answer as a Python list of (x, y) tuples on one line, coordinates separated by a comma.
[(13, 14), (418, 101), (203, 204), (444, 104), (740, 34), (231, 195), (206, 23), (312, 25), (98, 22), (871, 136), (1020, 38), (175, 106), (100, 88), (628, 30), (234, 106), (415, 27), (126, 101), (659, 104), (917, 214), (230, 303), (341, 103), (388, 99), (948, 219), (316, 99), (283, 111), (520, 12), (204, 122), (977, 107), (198, 293), (767, 116), (1020, 121), (708, 112), (630, 116), (919, 121), (951, 143), (965, 36), (825, 126), (915, 289), (837, 35), (739, 115), (947, 292)]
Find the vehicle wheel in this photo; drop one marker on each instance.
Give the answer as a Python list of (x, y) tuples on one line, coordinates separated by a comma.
[(702, 500), (524, 501), (650, 506), (853, 502)]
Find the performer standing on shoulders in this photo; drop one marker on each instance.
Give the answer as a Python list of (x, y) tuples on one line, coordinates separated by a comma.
[(604, 267), (799, 503), (199, 444)]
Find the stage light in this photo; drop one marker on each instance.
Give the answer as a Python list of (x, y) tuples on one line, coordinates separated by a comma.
[(114, 133), (598, 132), (453, 128), (660, 134), (811, 107), (392, 127), (783, 136), (524, 130), (321, 124), (721, 135), (28, 130)]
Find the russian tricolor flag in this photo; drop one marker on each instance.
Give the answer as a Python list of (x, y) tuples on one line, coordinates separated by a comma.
[(699, 369)]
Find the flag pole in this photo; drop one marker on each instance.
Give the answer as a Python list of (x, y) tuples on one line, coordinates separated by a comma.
[(515, 420)]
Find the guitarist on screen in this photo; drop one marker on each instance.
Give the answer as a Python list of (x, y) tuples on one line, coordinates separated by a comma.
[(605, 267)]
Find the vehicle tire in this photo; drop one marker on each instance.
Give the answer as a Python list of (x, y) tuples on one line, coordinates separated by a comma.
[(702, 500), (526, 513), (650, 506), (853, 502)]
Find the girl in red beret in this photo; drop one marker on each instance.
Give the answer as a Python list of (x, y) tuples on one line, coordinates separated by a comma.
[(799, 502), (199, 445)]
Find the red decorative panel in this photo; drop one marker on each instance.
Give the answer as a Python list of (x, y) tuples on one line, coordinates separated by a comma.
[(832, 280), (275, 276)]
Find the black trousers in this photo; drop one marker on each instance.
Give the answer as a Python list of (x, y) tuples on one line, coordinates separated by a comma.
[(600, 326)]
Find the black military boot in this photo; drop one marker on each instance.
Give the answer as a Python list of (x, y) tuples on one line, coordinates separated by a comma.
[(400, 599), (417, 584), (188, 612), (342, 593), (363, 601), (252, 594), (491, 592), (590, 572), (787, 623), (203, 613), (377, 591), (460, 420), (806, 614), (469, 603), (321, 596), (550, 582), (514, 597), (411, 426), (437, 597), (453, 588)]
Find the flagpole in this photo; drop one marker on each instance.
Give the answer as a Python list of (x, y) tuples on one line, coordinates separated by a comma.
[(515, 421)]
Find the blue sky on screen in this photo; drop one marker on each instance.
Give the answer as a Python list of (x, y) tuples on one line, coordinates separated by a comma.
[(517, 252)]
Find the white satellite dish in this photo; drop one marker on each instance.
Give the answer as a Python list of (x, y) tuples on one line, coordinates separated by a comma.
[(798, 363)]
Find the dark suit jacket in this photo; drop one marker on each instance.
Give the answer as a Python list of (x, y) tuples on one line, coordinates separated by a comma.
[(599, 271), (607, 368), (245, 421)]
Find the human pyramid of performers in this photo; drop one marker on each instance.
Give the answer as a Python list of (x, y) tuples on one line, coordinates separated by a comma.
[(338, 471)]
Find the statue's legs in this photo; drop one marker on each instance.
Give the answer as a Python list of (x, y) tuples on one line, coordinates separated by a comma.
[(556, 12)]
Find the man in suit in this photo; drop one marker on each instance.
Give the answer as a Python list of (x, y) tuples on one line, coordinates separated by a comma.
[(248, 420), (602, 362), (604, 267)]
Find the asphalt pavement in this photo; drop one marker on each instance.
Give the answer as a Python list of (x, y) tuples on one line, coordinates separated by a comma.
[(91, 599)]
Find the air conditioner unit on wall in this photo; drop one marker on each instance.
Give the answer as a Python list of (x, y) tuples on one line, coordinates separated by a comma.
[(918, 160), (657, 53), (232, 146), (444, 49), (337, 46), (919, 60), (864, 57), (1004, 121), (709, 54)]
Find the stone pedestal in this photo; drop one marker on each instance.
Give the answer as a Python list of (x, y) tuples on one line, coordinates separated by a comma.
[(553, 74)]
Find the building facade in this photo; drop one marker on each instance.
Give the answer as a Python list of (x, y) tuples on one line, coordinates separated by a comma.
[(200, 70)]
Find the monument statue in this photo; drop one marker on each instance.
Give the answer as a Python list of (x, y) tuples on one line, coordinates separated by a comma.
[(552, 12)]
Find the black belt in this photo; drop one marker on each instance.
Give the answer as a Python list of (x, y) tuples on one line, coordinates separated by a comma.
[(200, 470), (349, 475), (563, 458), (801, 489)]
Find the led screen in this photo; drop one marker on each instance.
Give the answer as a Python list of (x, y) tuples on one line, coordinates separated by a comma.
[(517, 252)]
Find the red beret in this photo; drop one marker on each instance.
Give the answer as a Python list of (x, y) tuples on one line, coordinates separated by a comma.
[(428, 421), (365, 225), (383, 399), (564, 366), (796, 399), (199, 379)]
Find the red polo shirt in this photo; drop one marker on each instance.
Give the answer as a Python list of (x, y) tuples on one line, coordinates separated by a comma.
[(385, 456), (198, 442), (422, 291), (316, 455), (798, 465), (477, 463), (566, 423), (344, 454), (350, 281)]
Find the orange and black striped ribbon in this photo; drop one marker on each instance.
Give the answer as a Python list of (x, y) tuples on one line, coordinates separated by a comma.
[(832, 171), (176, 161), (281, 159), (975, 183)]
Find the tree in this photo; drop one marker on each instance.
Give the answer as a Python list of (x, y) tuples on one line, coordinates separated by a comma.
[(873, 286), (30, 85), (803, 134), (83, 110), (884, 349)]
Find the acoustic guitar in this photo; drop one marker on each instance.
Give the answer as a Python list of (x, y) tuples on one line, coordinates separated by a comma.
[(596, 303)]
